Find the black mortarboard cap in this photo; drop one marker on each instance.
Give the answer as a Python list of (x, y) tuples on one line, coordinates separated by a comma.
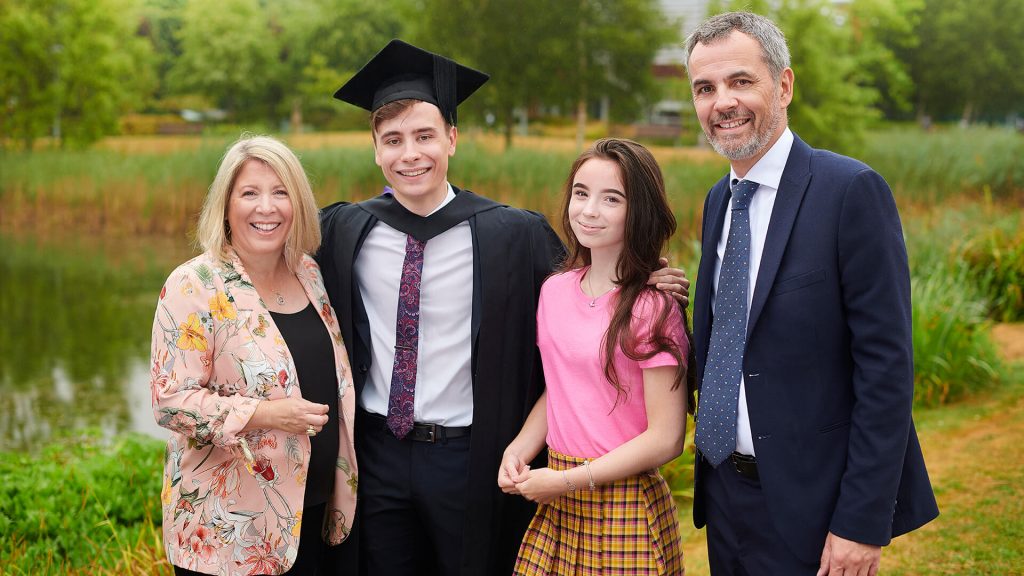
[(402, 70)]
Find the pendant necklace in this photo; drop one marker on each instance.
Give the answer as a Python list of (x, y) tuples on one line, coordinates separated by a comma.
[(590, 288), (280, 299)]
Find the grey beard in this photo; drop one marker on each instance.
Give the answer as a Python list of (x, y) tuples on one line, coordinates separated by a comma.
[(756, 144)]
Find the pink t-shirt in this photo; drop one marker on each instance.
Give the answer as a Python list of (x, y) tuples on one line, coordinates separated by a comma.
[(581, 419)]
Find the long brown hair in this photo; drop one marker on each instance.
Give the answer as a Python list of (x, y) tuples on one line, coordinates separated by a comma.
[(649, 225)]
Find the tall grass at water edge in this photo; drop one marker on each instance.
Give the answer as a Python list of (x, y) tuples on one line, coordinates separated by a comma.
[(131, 193), (82, 506), (931, 167)]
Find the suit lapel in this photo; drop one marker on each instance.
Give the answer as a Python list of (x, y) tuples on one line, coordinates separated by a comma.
[(792, 187)]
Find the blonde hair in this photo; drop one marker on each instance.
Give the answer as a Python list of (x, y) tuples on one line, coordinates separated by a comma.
[(212, 234)]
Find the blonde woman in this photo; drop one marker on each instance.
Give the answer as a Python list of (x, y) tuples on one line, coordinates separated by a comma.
[(250, 375)]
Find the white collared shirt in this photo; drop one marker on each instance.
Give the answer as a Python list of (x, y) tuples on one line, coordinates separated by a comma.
[(444, 383), (767, 173)]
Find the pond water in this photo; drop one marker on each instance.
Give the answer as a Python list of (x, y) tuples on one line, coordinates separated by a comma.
[(75, 335)]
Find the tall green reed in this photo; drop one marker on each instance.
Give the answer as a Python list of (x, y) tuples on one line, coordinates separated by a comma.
[(160, 194), (953, 353), (931, 167)]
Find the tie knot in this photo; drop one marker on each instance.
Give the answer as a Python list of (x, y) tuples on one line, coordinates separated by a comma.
[(742, 192), (414, 245)]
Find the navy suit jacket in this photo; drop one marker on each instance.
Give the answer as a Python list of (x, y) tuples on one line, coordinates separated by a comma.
[(828, 364)]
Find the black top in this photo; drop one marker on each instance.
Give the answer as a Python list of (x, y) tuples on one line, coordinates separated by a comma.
[(310, 346)]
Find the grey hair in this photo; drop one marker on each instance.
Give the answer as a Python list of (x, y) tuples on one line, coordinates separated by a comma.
[(774, 50)]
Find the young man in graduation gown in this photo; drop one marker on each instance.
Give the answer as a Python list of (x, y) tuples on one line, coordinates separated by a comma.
[(436, 290)]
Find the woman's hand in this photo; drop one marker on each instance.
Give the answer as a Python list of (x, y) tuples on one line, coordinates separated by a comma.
[(511, 471), (542, 485), (293, 415)]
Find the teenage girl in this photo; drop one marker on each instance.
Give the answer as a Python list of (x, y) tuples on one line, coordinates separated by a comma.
[(615, 355)]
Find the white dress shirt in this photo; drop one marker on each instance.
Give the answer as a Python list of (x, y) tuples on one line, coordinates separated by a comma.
[(767, 173), (444, 383)]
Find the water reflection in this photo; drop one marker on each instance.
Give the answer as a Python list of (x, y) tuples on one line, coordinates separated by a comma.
[(74, 339)]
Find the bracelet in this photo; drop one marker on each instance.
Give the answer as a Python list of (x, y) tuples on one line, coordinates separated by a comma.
[(568, 483), (586, 463)]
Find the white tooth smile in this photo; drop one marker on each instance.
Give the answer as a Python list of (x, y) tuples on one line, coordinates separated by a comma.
[(265, 227), (732, 124), (414, 172)]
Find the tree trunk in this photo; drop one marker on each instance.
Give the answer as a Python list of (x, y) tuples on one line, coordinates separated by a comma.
[(510, 122), (968, 115), (581, 104), (581, 122), (296, 118)]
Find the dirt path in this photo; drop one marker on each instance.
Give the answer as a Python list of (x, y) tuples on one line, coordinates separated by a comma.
[(975, 456), (1010, 340)]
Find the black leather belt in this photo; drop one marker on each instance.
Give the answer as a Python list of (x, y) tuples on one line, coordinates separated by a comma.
[(745, 465), (420, 432)]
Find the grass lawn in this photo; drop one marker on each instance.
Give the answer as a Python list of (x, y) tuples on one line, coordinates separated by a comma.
[(974, 450)]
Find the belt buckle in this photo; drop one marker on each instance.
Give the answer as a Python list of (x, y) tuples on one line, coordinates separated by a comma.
[(744, 465)]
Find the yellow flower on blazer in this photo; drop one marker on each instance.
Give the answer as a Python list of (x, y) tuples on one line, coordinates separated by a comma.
[(221, 308), (191, 337)]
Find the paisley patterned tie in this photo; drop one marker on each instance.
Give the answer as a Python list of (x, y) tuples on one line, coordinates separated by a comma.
[(719, 394), (401, 399)]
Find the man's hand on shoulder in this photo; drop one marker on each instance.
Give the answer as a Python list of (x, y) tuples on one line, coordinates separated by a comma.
[(842, 557), (672, 281)]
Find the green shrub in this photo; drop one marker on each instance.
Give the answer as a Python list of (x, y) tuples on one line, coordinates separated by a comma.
[(80, 502), (953, 354), (995, 258)]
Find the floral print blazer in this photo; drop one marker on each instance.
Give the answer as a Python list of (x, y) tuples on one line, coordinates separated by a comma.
[(232, 500)]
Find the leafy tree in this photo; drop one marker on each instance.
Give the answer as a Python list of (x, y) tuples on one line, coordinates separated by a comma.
[(615, 43), (578, 52), (161, 21), (228, 53), (967, 59), (69, 68), (27, 83), (323, 42), (880, 28), (503, 38), (832, 104)]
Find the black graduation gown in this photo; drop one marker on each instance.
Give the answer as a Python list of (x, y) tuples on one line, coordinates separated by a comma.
[(514, 250)]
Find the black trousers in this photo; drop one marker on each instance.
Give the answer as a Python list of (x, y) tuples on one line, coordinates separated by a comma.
[(309, 558), (412, 503), (742, 539)]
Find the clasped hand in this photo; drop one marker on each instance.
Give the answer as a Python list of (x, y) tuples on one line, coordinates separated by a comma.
[(542, 485), (294, 415)]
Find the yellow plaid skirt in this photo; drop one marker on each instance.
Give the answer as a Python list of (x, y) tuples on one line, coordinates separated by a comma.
[(629, 527)]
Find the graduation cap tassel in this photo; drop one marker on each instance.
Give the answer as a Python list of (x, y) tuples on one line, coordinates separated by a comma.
[(445, 87)]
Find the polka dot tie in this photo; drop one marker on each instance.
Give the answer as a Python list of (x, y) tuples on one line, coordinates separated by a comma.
[(720, 390), (402, 397)]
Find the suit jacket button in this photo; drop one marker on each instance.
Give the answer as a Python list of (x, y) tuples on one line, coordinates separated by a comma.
[(363, 369)]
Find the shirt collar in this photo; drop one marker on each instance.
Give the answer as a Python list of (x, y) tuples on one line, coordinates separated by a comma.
[(768, 170), (448, 198)]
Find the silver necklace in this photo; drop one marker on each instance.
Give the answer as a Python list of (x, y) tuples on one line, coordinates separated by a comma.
[(590, 288), (280, 299)]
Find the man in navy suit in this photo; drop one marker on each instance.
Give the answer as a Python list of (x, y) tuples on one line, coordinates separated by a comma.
[(808, 462)]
